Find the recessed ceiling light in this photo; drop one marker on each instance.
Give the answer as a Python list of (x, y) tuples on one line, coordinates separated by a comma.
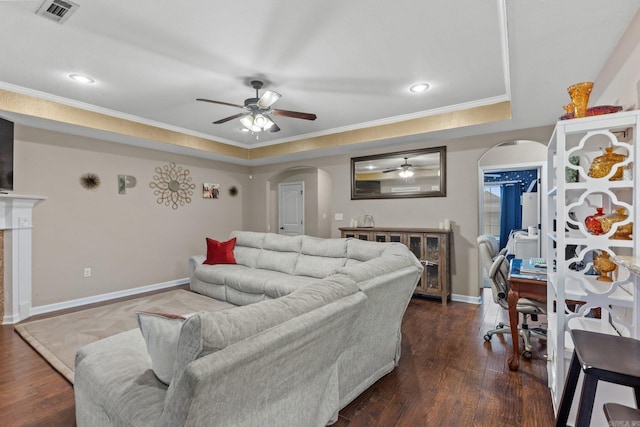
[(80, 78), (419, 87)]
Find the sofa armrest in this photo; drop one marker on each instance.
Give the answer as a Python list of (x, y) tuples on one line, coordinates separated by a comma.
[(194, 262), (115, 385)]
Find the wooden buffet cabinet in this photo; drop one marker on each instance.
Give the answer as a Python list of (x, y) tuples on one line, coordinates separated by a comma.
[(432, 246)]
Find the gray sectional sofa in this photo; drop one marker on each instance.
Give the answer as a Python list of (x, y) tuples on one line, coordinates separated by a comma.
[(317, 322)]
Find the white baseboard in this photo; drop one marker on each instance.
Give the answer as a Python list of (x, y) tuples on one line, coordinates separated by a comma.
[(467, 299), (10, 320), (42, 309)]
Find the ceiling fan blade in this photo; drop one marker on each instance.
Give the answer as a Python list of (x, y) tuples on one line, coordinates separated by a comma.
[(274, 127), (267, 99), (226, 119), (294, 114), (390, 170), (219, 102)]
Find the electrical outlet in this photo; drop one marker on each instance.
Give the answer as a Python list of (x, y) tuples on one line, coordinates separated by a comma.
[(87, 272)]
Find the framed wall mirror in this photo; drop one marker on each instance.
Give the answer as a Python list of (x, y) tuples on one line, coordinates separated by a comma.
[(404, 174)]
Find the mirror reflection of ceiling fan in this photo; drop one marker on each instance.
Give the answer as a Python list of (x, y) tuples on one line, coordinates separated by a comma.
[(257, 118), (406, 169)]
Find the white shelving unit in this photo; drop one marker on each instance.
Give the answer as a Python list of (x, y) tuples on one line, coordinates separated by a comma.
[(574, 195)]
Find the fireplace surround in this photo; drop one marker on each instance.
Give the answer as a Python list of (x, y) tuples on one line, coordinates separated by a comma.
[(16, 224)]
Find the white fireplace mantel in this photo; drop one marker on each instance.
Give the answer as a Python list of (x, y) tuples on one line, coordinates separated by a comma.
[(17, 223)]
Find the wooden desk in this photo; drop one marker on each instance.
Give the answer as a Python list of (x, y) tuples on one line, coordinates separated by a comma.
[(521, 286)]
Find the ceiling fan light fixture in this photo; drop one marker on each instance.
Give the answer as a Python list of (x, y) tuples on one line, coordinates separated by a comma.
[(256, 122), (247, 122), (255, 117), (268, 125), (260, 121), (406, 173), (268, 98)]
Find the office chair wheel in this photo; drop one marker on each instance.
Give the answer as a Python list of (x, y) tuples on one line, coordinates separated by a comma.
[(487, 338), (499, 326), (526, 354)]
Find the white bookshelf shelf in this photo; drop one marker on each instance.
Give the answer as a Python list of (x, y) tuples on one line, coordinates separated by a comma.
[(572, 247)]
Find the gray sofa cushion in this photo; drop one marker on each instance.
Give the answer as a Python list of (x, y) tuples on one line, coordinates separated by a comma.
[(279, 253), (267, 283), (315, 266), (320, 257), (248, 247), (246, 256), (282, 243), (374, 268), (331, 248), (280, 286), (362, 250), (284, 262)]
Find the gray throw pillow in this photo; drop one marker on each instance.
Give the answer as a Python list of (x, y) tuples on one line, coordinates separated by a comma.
[(161, 332)]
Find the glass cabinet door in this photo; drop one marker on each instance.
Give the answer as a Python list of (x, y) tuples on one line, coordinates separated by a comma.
[(432, 263), (395, 237), (381, 237), (387, 237), (415, 243)]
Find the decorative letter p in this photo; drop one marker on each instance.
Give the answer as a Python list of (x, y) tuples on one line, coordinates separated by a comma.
[(124, 182)]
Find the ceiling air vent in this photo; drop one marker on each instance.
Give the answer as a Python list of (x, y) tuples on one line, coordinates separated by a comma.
[(57, 10)]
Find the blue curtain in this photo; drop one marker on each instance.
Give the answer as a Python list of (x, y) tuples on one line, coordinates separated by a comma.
[(510, 211)]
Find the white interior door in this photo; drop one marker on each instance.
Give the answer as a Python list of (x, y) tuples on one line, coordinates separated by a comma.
[(291, 208)]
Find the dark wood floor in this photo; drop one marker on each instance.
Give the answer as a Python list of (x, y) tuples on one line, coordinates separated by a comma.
[(447, 376)]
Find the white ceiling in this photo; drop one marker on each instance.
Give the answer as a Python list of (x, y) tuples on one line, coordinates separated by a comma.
[(349, 62)]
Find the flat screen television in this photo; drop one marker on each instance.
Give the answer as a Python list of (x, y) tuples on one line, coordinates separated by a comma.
[(6, 155)]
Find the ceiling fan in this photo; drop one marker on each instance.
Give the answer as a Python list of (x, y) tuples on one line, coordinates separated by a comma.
[(406, 169), (255, 118)]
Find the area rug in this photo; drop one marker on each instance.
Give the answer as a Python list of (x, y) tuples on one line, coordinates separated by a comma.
[(57, 338)]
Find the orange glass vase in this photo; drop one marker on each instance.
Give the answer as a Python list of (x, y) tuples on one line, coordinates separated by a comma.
[(594, 222), (602, 165), (623, 232), (604, 265), (579, 94)]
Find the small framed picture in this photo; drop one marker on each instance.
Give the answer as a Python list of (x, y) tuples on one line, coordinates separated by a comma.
[(210, 191)]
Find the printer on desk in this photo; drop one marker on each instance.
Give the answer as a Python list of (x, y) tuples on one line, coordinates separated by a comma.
[(524, 244)]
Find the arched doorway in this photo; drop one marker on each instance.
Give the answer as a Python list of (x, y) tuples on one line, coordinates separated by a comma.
[(521, 164), (318, 198)]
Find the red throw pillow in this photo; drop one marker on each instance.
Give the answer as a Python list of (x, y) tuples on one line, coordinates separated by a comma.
[(220, 252)]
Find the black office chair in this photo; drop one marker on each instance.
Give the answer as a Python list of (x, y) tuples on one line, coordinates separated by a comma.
[(498, 277)]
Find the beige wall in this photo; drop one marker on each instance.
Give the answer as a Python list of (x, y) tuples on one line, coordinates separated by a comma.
[(460, 205), (127, 240), (619, 80)]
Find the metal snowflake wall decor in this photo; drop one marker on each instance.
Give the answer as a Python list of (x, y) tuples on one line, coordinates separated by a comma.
[(90, 181), (172, 185)]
